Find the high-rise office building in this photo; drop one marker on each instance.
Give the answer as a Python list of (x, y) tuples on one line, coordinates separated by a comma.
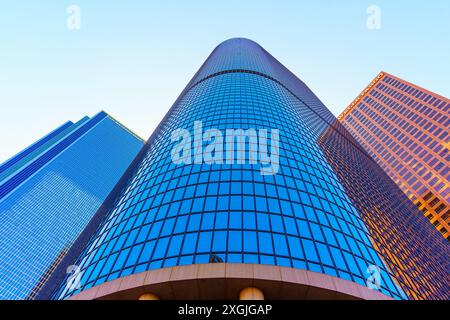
[(50, 192), (250, 188), (405, 128)]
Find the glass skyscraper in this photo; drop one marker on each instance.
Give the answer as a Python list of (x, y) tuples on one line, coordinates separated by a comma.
[(405, 128), (272, 211), (49, 193)]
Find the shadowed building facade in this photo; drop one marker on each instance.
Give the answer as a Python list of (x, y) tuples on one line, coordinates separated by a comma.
[(225, 230), (49, 193), (405, 128)]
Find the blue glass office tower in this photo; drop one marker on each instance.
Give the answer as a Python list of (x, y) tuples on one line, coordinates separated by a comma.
[(305, 231), (49, 193)]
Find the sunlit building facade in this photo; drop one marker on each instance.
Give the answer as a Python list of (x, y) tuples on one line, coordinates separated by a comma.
[(405, 128), (50, 192), (285, 228)]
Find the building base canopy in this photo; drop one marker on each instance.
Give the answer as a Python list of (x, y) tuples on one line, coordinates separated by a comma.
[(225, 281)]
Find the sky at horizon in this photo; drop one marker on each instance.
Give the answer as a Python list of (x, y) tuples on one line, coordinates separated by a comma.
[(132, 59)]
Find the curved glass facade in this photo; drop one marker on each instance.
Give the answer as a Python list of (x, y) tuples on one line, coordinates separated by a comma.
[(300, 216)]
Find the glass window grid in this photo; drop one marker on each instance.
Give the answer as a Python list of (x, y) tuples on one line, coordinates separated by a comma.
[(300, 157)]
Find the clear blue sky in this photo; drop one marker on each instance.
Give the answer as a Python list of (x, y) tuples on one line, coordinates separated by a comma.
[(132, 58)]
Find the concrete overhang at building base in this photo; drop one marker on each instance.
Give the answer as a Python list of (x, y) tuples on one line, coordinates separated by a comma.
[(219, 281)]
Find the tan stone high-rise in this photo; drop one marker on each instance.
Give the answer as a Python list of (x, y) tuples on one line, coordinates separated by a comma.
[(405, 128)]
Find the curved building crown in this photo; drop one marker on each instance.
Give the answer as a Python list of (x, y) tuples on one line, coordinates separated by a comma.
[(283, 197)]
